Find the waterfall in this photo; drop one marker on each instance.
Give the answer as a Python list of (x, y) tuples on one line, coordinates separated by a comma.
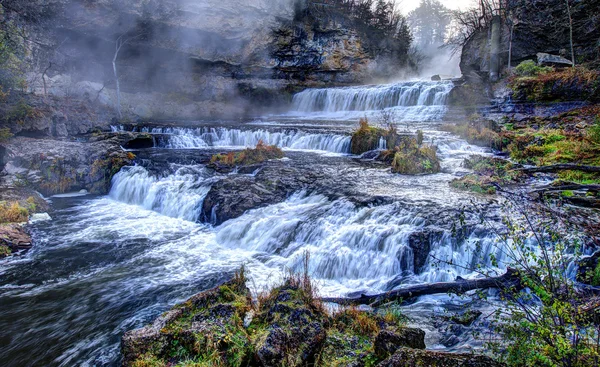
[(178, 195), (410, 101), (205, 137), (348, 243)]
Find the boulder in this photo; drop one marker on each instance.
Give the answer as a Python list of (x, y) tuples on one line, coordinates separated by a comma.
[(209, 323), (421, 243), (388, 342), (544, 59), (295, 333), (436, 78)]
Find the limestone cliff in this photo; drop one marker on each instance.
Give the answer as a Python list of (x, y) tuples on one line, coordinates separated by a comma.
[(186, 59)]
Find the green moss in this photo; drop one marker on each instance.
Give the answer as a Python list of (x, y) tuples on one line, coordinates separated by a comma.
[(488, 173), (474, 183), (5, 135), (545, 147), (530, 68), (568, 84)]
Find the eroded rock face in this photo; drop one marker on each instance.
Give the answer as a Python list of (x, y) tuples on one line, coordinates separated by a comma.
[(190, 59), (59, 166), (542, 27)]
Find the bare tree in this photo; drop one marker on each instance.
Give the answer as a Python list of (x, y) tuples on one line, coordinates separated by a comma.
[(571, 31), (119, 43)]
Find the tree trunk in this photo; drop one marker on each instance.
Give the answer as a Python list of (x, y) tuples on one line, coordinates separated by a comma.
[(117, 49), (571, 32), (560, 167), (460, 286)]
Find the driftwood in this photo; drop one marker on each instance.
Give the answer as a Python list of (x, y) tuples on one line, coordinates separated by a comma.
[(572, 187), (560, 167), (460, 286)]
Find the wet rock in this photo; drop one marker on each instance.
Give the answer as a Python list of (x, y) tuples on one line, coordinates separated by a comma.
[(142, 141), (15, 237), (436, 78), (413, 357), (387, 341), (466, 318), (232, 196), (421, 244)]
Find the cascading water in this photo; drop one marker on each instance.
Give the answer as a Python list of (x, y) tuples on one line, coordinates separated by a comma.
[(410, 101), (209, 137), (127, 257), (178, 195)]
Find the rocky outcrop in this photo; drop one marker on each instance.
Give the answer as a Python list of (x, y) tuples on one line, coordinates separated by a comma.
[(59, 166), (189, 59), (541, 26), (287, 327), (269, 186)]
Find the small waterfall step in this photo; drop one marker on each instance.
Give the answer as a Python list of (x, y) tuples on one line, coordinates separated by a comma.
[(411, 101), (221, 137)]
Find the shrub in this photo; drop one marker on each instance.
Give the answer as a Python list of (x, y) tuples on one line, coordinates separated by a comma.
[(544, 320), (13, 213), (414, 161), (5, 251), (261, 153), (530, 68), (5, 135)]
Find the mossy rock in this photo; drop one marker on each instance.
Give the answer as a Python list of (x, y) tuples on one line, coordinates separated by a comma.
[(207, 327), (366, 139), (489, 173), (247, 157), (416, 161)]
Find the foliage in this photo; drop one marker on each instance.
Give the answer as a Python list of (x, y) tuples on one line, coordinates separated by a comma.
[(4, 251), (542, 322), (261, 153), (21, 112), (530, 68), (429, 23), (13, 212), (593, 132)]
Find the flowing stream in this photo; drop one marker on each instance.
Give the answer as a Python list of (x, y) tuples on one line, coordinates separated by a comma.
[(105, 265)]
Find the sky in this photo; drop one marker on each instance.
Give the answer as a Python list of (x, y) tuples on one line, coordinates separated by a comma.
[(408, 5)]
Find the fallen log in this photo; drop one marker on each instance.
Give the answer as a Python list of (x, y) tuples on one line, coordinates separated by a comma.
[(560, 167), (571, 187), (460, 286)]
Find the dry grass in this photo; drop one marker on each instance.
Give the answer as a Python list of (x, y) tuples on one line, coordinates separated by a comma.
[(261, 153), (13, 212)]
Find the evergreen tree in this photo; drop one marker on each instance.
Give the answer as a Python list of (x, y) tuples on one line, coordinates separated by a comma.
[(429, 23)]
